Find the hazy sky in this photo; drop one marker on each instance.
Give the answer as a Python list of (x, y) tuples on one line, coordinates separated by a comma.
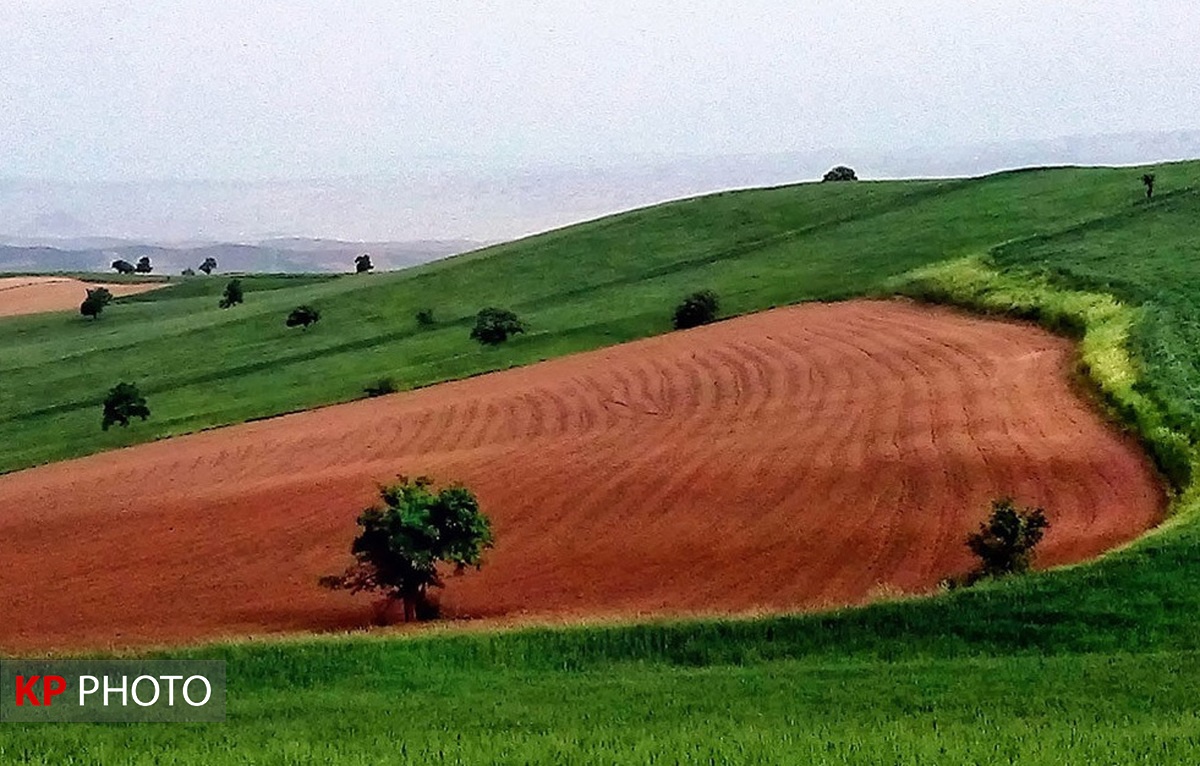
[(251, 89)]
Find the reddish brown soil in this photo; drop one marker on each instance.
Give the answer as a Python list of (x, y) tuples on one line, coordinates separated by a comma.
[(799, 458), (36, 295)]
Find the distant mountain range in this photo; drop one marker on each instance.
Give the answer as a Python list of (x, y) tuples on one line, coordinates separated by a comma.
[(41, 254)]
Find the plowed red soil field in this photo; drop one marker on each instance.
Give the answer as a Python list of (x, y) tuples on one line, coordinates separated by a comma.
[(35, 295), (799, 458)]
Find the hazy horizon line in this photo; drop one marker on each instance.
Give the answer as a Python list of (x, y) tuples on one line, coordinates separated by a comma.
[(465, 163)]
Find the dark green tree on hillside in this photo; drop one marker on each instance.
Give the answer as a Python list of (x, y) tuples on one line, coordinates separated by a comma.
[(97, 298), (699, 308), (381, 387), (362, 264), (403, 541), (839, 174), (1148, 182), (233, 294), (143, 265), (1005, 542), (493, 326), (209, 265), (123, 403), (303, 316), (425, 318), (123, 267)]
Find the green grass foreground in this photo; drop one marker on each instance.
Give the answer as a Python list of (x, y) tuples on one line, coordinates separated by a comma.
[(1073, 709), (1087, 664)]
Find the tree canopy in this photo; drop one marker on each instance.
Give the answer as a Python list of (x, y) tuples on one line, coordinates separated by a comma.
[(123, 266), (381, 387), (403, 541), (233, 294), (493, 326), (303, 316), (1005, 542), (97, 298), (840, 173), (362, 264), (123, 402), (699, 308), (1148, 181)]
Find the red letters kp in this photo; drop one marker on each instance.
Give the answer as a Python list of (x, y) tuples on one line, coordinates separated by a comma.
[(52, 686)]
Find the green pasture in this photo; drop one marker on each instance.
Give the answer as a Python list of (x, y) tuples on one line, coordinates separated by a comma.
[(1091, 664)]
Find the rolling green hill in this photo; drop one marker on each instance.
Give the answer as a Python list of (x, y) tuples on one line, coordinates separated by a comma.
[(1087, 664), (599, 283)]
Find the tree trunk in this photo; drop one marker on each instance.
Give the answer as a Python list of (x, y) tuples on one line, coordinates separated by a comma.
[(382, 611)]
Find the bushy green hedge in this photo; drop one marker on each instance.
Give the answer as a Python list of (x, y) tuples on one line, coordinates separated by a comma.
[(1100, 322)]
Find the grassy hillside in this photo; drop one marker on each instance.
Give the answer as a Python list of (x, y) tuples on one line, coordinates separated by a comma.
[(1088, 664), (600, 283)]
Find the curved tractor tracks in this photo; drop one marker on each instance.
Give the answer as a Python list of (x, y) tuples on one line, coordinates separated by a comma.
[(805, 457)]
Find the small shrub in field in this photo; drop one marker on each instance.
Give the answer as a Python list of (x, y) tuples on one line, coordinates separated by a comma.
[(303, 316), (188, 272), (123, 403), (209, 265), (697, 309), (381, 387), (233, 294), (425, 318), (1148, 182), (97, 298), (1005, 542), (143, 265), (493, 326), (362, 264), (403, 541)]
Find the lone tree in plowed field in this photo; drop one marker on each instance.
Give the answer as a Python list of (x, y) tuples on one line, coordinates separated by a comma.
[(403, 541), (1005, 542), (124, 402)]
